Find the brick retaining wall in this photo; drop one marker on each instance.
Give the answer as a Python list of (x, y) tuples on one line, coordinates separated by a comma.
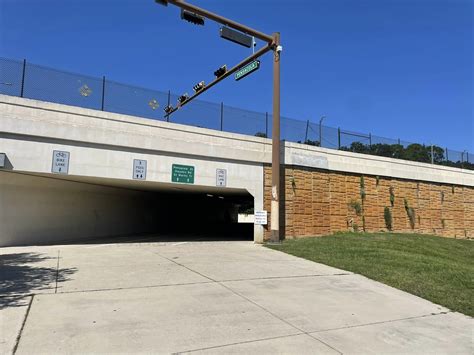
[(319, 202)]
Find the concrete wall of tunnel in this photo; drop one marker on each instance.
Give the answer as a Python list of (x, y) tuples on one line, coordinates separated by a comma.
[(48, 209), (37, 210)]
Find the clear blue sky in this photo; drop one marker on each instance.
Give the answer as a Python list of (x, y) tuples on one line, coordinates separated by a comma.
[(396, 68)]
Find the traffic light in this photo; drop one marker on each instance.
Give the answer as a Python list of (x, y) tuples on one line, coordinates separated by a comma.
[(168, 109), (221, 71), (192, 17), (199, 86), (183, 98)]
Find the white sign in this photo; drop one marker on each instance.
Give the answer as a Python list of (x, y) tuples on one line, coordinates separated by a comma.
[(260, 217), (221, 177), (60, 162), (139, 169)]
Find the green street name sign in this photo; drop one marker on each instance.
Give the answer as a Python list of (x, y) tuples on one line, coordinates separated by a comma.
[(182, 173), (249, 68)]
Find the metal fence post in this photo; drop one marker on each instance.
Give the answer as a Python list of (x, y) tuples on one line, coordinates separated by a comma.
[(23, 79), (222, 116), (103, 92), (338, 138), (306, 133), (169, 102), (370, 140), (447, 158), (266, 124)]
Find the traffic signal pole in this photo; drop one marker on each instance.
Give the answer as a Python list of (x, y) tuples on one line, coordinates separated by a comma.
[(275, 205), (228, 73), (273, 43)]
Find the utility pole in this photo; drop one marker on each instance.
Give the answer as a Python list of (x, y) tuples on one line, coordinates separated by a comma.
[(196, 15)]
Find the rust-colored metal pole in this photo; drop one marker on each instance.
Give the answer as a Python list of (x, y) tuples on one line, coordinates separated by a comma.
[(275, 205), (232, 70)]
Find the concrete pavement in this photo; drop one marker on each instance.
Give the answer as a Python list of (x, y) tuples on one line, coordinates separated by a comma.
[(209, 297)]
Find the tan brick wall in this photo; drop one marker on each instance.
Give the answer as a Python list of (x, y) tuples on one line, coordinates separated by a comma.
[(318, 202)]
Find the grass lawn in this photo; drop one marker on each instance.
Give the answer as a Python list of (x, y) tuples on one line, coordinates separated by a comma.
[(438, 269)]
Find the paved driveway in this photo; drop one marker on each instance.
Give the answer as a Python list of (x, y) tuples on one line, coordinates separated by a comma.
[(210, 297)]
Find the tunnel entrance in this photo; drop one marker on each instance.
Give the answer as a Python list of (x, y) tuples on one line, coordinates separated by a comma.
[(73, 209), (202, 215)]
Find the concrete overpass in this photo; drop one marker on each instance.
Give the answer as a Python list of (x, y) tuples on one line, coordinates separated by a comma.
[(97, 194)]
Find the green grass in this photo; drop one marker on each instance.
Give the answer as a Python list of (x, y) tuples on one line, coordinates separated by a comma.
[(438, 269)]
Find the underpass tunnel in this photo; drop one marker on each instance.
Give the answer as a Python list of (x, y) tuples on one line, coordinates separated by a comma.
[(202, 214), (47, 209)]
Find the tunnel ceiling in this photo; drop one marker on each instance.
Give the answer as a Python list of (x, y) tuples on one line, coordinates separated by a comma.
[(151, 186)]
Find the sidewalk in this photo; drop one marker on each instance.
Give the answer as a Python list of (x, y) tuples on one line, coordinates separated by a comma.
[(212, 297)]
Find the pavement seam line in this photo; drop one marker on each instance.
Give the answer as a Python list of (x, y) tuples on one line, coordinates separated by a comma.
[(57, 275), (240, 342), (277, 317), (17, 340), (283, 277), (127, 288), (254, 303), (382, 322)]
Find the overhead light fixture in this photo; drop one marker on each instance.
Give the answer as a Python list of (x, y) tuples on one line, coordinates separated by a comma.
[(192, 17), (183, 98), (221, 197), (209, 195), (168, 109), (221, 71), (199, 86)]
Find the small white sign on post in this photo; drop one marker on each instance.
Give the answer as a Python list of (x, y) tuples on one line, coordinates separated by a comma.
[(139, 169), (260, 217), (60, 162), (221, 177)]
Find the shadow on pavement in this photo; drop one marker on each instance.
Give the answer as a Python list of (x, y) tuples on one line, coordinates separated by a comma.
[(19, 277)]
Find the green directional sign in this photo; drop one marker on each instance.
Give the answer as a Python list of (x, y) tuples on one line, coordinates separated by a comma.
[(246, 70), (182, 173)]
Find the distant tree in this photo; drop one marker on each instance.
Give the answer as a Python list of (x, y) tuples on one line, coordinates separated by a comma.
[(438, 154), (310, 142), (413, 152), (417, 152)]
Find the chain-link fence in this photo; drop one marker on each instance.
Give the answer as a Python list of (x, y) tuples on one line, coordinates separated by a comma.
[(20, 78)]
